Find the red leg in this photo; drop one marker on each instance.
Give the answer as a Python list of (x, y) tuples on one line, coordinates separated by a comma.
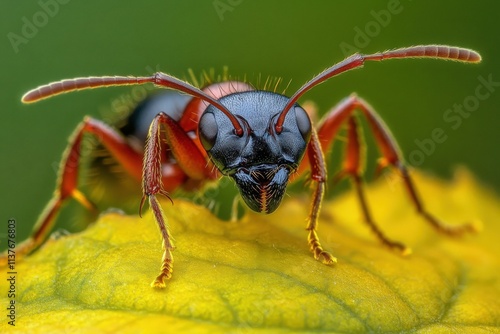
[(68, 178), (391, 156), (353, 167), (192, 161), (318, 175)]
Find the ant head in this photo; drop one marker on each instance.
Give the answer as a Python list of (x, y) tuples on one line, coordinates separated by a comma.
[(260, 160)]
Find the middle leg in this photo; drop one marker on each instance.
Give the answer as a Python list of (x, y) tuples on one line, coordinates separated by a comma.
[(353, 168), (391, 156)]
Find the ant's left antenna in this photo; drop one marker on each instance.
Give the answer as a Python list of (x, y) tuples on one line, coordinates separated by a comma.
[(357, 60)]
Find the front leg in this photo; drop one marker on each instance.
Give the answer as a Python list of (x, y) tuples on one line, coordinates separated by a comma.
[(318, 176), (192, 162)]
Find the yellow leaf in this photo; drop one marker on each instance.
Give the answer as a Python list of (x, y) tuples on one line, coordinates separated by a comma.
[(257, 274)]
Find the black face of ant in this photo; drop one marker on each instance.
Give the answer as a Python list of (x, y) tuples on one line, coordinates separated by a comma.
[(260, 161)]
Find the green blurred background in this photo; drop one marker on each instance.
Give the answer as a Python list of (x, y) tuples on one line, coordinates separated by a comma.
[(288, 39)]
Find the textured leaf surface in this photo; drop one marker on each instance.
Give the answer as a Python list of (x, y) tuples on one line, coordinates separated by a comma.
[(257, 274)]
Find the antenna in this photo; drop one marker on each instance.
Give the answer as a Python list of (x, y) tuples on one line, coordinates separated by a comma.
[(159, 79), (357, 60)]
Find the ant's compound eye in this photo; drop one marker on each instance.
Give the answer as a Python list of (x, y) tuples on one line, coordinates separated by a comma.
[(303, 123), (207, 129)]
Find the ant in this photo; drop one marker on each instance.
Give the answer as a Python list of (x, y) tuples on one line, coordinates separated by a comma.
[(260, 139)]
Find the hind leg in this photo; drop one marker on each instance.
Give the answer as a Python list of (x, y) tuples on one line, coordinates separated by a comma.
[(67, 186)]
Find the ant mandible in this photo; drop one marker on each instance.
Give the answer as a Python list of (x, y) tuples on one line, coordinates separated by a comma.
[(258, 138)]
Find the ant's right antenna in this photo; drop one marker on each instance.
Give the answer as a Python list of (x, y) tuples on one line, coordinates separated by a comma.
[(159, 79)]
